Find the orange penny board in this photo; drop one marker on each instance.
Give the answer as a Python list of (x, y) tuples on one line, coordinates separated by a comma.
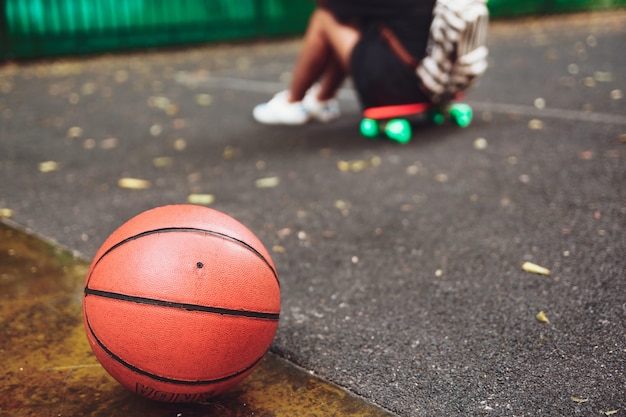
[(402, 110), (389, 112)]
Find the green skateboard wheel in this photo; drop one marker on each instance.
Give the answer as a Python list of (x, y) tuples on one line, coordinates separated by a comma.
[(370, 128), (437, 117), (398, 130), (461, 114)]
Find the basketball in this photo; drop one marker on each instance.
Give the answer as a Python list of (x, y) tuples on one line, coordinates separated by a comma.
[(181, 303)]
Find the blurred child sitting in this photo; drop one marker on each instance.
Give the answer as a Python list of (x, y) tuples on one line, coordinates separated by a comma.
[(354, 38)]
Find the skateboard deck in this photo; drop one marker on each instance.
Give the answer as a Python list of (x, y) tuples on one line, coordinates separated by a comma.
[(393, 121)]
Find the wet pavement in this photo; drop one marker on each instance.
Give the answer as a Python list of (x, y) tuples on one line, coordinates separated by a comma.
[(400, 266)]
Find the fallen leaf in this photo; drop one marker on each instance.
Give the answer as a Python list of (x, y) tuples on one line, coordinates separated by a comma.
[(610, 413), (156, 130), (172, 110), (375, 161), (535, 269), (540, 103), (278, 249), (204, 99), (89, 143), (358, 165), (109, 143), (579, 400), (201, 199), (268, 182), (228, 154), (88, 88), (414, 169), (6, 212), (541, 317), (180, 144), (603, 76), (441, 177), (158, 102), (133, 183), (343, 166), (74, 132), (480, 144), (48, 166), (341, 205), (162, 161), (586, 155), (589, 82), (535, 124)]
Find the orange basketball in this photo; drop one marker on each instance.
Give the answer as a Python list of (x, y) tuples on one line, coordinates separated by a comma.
[(181, 303)]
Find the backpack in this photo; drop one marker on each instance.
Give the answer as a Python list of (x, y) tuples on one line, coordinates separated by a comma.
[(456, 54)]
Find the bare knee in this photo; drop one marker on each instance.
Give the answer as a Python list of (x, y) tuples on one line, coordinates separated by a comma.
[(340, 37), (321, 20)]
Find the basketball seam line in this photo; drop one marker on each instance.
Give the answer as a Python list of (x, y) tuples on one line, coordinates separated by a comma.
[(183, 306), (189, 229), (165, 379)]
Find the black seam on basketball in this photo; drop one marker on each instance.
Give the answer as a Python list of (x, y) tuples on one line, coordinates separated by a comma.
[(191, 230), (162, 378), (183, 306)]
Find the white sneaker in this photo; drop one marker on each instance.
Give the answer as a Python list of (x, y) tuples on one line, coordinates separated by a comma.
[(323, 111), (279, 111)]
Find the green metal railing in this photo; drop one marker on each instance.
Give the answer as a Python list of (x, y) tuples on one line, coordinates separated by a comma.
[(38, 28), (35, 28), (514, 8)]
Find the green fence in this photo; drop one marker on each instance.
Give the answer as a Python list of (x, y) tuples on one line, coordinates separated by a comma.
[(514, 8), (38, 28)]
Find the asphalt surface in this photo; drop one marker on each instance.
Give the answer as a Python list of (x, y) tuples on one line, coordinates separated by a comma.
[(400, 265)]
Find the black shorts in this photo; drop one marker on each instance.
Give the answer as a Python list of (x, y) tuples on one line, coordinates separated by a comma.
[(379, 76)]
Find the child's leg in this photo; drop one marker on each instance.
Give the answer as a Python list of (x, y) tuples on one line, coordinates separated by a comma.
[(326, 51), (325, 56), (332, 78)]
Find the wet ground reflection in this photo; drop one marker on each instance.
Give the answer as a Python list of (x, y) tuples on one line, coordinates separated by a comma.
[(49, 369)]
